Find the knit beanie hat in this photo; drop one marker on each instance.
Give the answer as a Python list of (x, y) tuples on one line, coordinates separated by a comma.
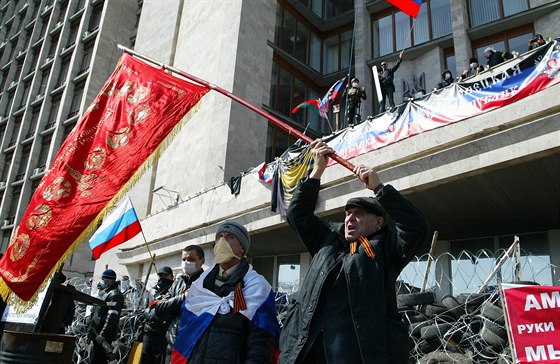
[(237, 230), (109, 274)]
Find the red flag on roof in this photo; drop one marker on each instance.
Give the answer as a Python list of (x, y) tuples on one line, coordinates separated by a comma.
[(117, 138), (410, 7)]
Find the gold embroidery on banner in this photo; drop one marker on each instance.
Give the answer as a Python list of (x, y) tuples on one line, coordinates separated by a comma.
[(179, 91), (39, 218), (85, 181), (59, 188), (94, 106), (110, 90), (96, 158), (23, 277), (140, 94), (119, 138), (126, 88), (19, 245), (139, 114)]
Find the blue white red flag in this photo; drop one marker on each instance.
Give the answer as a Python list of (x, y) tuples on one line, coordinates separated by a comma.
[(201, 305), (322, 105), (409, 7), (122, 225)]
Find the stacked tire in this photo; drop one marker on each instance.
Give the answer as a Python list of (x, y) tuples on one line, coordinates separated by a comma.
[(467, 328)]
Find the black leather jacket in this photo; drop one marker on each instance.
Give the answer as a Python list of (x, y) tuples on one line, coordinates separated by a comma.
[(379, 333), (386, 77), (105, 319)]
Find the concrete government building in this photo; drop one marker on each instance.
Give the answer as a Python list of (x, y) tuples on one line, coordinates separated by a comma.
[(479, 181)]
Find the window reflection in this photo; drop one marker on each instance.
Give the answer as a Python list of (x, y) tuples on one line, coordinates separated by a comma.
[(288, 273), (486, 11)]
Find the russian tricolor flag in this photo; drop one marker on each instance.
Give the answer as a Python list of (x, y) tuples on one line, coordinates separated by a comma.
[(122, 225), (201, 305), (409, 7)]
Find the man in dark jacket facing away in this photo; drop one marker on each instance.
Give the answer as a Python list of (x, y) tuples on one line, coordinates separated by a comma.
[(105, 319), (229, 314), (346, 311)]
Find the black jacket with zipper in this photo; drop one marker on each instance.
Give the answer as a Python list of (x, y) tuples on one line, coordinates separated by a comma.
[(376, 331)]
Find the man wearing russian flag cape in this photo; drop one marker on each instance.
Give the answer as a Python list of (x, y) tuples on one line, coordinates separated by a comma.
[(229, 314)]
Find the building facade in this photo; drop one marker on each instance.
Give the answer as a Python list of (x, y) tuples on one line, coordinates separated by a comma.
[(55, 56), (479, 181)]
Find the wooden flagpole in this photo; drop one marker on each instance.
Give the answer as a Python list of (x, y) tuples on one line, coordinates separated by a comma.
[(152, 259), (277, 122)]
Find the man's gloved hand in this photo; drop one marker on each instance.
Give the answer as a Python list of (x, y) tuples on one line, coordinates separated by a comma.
[(100, 339)]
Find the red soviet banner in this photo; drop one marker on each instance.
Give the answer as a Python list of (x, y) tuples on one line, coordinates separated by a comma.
[(533, 314), (118, 135)]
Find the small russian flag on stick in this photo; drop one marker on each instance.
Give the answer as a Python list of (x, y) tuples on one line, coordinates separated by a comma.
[(120, 226)]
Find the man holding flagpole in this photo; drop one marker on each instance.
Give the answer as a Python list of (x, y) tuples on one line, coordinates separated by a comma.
[(386, 77), (346, 309)]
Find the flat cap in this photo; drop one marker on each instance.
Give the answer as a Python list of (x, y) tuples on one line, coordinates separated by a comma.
[(368, 204)]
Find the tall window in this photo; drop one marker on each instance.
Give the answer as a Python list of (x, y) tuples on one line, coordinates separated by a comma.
[(9, 104), (34, 59), (4, 78), (486, 11), (440, 16), (16, 192), (73, 34), (325, 54), (15, 130), (76, 99), (44, 81), (63, 73), (44, 153), (25, 95), (7, 165), (28, 35), (54, 44), (42, 27), (34, 120), (392, 29), (62, 12), (86, 57), (23, 161), (95, 18), (55, 105), (383, 36), (6, 234), (336, 52)]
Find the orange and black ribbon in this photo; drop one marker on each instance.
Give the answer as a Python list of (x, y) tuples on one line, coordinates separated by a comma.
[(239, 303), (365, 243)]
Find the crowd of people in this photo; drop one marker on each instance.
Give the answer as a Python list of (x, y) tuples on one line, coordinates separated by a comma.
[(344, 312), (387, 87)]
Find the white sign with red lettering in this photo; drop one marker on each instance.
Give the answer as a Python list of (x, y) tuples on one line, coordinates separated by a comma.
[(533, 314)]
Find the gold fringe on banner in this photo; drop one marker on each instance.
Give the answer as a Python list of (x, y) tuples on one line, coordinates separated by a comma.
[(20, 305)]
